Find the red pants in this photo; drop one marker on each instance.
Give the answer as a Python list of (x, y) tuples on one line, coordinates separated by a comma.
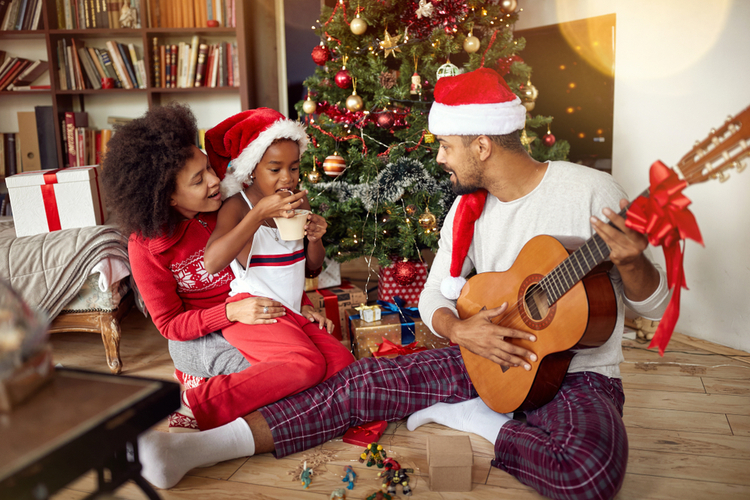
[(286, 357)]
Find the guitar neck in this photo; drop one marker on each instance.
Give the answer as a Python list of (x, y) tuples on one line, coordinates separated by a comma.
[(578, 264)]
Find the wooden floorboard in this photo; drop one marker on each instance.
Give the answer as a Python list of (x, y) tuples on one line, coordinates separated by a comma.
[(687, 414)]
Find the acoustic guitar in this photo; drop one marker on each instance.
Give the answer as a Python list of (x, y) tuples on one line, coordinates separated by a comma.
[(566, 299)]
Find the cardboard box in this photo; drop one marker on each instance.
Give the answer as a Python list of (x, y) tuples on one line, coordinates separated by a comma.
[(388, 287), (328, 278), (334, 302), (50, 200), (450, 459), (366, 337), (26, 380)]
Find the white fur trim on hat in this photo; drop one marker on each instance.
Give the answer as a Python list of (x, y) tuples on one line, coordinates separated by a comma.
[(477, 119), (242, 166), (451, 287)]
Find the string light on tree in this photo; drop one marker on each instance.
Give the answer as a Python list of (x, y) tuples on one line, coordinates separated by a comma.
[(410, 209)]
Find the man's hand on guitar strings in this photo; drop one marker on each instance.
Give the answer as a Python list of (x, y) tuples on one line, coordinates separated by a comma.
[(626, 245), (484, 338)]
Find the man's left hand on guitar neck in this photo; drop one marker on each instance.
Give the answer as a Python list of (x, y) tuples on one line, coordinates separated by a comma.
[(639, 276)]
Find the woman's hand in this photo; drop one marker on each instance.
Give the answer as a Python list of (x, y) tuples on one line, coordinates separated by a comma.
[(255, 311), (316, 227), (315, 317)]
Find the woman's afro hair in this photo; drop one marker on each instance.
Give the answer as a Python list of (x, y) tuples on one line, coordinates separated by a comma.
[(140, 168)]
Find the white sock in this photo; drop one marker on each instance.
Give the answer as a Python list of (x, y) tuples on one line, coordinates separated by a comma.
[(469, 416), (166, 458)]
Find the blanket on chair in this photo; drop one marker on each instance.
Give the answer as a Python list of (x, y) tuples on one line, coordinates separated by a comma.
[(47, 270)]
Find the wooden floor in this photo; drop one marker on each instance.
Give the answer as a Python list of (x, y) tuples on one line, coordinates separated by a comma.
[(687, 414)]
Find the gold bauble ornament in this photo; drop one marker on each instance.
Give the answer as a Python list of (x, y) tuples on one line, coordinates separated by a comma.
[(334, 165), (354, 102), (471, 44), (429, 137), (314, 177), (358, 25), (428, 220), (508, 6), (309, 106)]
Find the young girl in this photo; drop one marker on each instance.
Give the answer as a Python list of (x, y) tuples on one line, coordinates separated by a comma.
[(289, 353)]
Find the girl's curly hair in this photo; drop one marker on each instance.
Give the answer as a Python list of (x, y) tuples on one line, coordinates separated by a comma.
[(140, 168)]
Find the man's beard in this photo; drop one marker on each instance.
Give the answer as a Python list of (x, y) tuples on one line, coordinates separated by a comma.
[(472, 184)]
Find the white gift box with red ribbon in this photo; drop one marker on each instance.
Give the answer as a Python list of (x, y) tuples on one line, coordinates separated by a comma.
[(49, 200)]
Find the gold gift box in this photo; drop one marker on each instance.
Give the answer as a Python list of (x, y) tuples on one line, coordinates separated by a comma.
[(366, 336)]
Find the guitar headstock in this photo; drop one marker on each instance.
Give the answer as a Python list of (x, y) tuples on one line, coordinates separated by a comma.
[(723, 149)]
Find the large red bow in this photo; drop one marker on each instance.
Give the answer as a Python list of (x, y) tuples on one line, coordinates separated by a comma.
[(389, 348), (664, 217)]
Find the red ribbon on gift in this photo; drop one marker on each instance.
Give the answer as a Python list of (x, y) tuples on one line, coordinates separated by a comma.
[(50, 201), (388, 348), (364, 434), (331, 306), (664, 217)]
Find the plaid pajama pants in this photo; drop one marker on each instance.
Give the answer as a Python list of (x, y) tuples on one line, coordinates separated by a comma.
[(573, 447)]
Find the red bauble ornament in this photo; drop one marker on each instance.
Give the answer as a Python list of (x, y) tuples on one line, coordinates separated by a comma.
[(343, 79), (385, 119), (404, 272), (320, 55), (548, 140)]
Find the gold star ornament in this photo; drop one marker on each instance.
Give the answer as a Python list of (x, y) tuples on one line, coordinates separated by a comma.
[(389, 44)]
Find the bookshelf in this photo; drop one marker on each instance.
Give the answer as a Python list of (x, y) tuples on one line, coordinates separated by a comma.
[(255, 45)]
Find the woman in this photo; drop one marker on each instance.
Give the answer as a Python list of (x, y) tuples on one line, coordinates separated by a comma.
[(166, 195)]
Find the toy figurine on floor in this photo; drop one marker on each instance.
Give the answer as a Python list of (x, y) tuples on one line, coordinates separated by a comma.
[(374, 454), (306, 476), (349, 477), (339, 494), (379, 495), (394, 475)]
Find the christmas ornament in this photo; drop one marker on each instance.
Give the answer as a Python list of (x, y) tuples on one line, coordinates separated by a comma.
[(354, 103), (503, 64), (389, 44), (508, 6), (309, 106), (416, 84), (548, 139), (320, 55), (425, 9), (447, 69), (529, 93), (411, 209), (358, 25), (429, 138), (526, 140), (388, 79), (404, 272), (471, 43), (427, 220), (334, 165), (314, 176), (385, 119), (343, 79)]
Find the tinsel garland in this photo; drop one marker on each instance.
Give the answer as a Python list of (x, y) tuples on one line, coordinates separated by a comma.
[(405, 174), (445, 15)]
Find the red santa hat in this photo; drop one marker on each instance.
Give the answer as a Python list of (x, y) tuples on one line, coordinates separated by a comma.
[(236, 145), (474, 103)]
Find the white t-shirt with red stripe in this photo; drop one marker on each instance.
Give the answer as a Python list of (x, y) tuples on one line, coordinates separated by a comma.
[(275, 268)]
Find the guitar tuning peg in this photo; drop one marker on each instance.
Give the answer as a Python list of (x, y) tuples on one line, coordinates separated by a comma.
[(721, 175), (739, 166)]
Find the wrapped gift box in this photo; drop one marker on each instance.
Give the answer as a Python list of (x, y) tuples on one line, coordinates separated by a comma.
[(367, 337), (26, 380), (388, 287), (334, 302), (328, 278), (49, 200)]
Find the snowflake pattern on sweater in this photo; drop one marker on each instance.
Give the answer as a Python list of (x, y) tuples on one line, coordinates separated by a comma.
[(191, 275)]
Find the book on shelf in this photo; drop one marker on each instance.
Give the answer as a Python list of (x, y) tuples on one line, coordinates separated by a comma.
[(45, 131), (91, 75), (90, 14), (28, 141), (193, 62), (118, 120), (73, 121), (119, 65), (136, 67), (19, 15), (31, 74), (190, 13), (14, 67), (11, 155), (200, 69)]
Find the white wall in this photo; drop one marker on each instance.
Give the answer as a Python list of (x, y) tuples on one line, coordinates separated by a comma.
[(682, 66)]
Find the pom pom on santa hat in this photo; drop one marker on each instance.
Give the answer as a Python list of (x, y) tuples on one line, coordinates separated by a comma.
[(236, 145), (475, 103)]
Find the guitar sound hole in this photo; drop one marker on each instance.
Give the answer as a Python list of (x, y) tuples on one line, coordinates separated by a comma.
[(537, 305)]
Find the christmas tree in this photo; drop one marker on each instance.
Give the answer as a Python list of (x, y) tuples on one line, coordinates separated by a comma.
[(371, 168)]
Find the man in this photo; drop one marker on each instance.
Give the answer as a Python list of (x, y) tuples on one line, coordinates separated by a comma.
[(573, 447)]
